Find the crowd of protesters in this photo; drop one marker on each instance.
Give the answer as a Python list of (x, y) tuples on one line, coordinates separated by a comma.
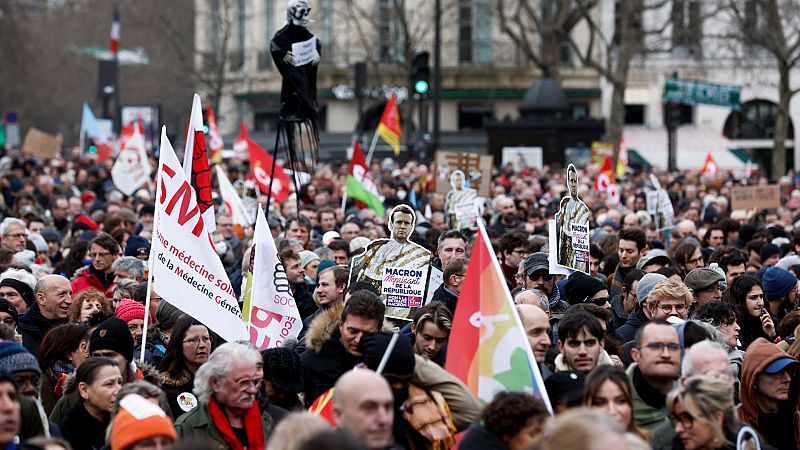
[(678, 338)]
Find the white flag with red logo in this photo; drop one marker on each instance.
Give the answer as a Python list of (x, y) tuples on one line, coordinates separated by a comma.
[(231, 200), (132, 168), (195, 164), (274, 316), (186, 270), (710, 167), (261, 167)]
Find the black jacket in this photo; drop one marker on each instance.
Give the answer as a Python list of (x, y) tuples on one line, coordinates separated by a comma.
[(323, 366), (304, 300), (636, 319), (479, 438), (448, 298), (84, 431), (33, 326)]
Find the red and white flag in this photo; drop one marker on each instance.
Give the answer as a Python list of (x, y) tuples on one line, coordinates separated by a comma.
[(113, 46), (274, 316), (261, 166), (215, 143), (132, 168), (185, 267), (195, 164), (710, 167), (231, 200)]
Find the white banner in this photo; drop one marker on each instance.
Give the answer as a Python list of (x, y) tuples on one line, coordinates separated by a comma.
[(231, 200), (132, 168), (274, 316), (186, 269)]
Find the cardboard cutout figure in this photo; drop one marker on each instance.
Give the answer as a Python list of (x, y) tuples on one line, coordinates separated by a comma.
[(397, 267), (660, 206), (462, 211), (572, 228)]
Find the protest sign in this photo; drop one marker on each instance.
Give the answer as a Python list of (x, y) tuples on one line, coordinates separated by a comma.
[(756, 197), (435, 280), (404, 288), (303, 52), (132, 168), (466, 215), (477, 170), (186, 269), (40, 144), (572, 228), (274, 316), (660, 206)]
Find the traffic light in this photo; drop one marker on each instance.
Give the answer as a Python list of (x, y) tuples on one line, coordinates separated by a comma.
[(420, 73)]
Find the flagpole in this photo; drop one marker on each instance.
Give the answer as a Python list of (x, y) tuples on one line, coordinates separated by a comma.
[(344, 201), (153, 236), (372, 148)]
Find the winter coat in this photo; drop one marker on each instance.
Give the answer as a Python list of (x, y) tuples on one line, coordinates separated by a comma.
[(197, 424), (603, 360), (464, 407), (759, 355), (325, 358), (33, 326), (645, 415), (92, 279), (444, 295), (636, 319), (174, 388), (84, 431), (478, 437)]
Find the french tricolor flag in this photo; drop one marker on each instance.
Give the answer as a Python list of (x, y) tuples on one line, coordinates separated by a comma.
[(115, 34)]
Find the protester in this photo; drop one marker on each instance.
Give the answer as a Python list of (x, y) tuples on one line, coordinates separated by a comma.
[(430, 330), (53, 300), (581, 340), (87, 304), (364, 406), (283, 377), (641, 313), (294, 429), (608, 389), (657, 364), (104, 251), (9, 410), (63, 350), (128, 268), (190, 346), (705, 285), (511, 421), (537, 329), (16, 286), (97, 382), (140, 424), (158, 336), (752, 316), (132, 313), (586, 429)]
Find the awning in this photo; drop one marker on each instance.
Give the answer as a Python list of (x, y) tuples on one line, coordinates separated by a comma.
[(693, 145)]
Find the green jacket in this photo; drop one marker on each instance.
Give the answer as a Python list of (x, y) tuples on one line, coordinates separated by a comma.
[(197, 424), (644, 415)]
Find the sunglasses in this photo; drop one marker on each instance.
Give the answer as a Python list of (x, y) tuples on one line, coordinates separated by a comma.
[(600, 301), (543, 275)]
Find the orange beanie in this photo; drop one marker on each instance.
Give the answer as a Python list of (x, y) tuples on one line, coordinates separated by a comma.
[(139, 419)]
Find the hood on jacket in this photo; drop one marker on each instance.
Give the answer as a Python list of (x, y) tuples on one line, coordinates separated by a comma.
[(603, 359), (757, 357), (326, 324)]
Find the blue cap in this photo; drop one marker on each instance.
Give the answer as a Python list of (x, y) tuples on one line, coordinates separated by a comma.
[(779, 365)]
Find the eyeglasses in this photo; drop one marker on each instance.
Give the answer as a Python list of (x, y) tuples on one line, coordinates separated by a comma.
[(197, 340), (246, 383), (666, 309), (543, 275), (660, 346), (600, 301), (684, 418), (519, 276), (99, 254), (521, 252)]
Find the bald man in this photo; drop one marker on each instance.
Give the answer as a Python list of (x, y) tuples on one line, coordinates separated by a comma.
[(363, 405), (53, 295), (537, 329)]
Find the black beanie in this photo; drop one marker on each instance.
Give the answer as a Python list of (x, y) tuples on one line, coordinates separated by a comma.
[(374, 345), (580, 287), (112, 334), (24, 290), (7, 307)]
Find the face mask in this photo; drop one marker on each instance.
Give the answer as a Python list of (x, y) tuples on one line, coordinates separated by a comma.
[(401, 195), (221, 247)]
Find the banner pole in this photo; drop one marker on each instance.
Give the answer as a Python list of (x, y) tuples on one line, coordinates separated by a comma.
[(372, 148)]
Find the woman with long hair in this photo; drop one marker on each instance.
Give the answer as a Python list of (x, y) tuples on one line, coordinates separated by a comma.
[(98, 381), (87, 303), (703, 414), (747, 297), (75, 259), (608, 389), (62, 350), (189, 347)]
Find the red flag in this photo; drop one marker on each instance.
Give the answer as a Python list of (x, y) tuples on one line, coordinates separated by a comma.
[(389, 126), (323, 406), (710, 167), (261, 165), (195, 164), (115, 34)]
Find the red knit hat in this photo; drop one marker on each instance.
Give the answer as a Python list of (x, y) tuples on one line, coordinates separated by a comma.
[(128, 310), (139, 419), (84, 219)]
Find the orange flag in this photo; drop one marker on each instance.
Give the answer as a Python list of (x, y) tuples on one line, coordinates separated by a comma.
[(215, 143), (389, 127)]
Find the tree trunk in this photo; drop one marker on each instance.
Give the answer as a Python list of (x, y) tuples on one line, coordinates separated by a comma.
[(781, 123), (616, 119), (551, 55)]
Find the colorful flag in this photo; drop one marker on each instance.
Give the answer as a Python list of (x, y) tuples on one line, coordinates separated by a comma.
[(115, 34), (214, 138), (274, 316), (261, 166), (389, 126), (195, 164), (132, 168), (231, 200), (323, 406), (710, 167), (91, 127), (622, 161), (359, 183), (185, 267), (489, 350)]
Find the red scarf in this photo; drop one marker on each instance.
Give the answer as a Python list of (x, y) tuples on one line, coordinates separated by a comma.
[(252, 423)]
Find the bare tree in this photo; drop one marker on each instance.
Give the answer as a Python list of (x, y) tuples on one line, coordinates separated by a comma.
[(538, 28), (772, 26)]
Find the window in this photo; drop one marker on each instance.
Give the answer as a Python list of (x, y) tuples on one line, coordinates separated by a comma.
[(634, 114), (474, 116), (687, 27), (390, 34), (475, 31), (754, 120)]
